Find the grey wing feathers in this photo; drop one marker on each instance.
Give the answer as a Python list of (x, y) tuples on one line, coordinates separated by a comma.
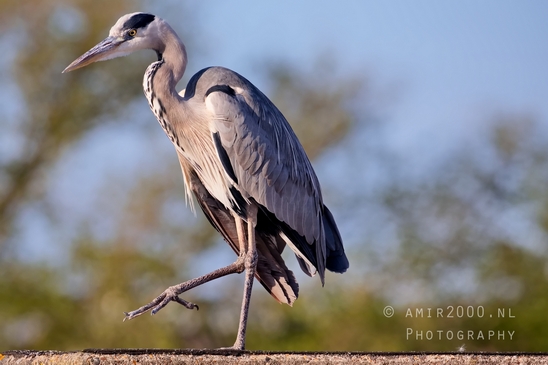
[(267, 160), (268, 164)]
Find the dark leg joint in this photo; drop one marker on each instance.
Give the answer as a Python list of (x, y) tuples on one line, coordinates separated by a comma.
[(251, 260)]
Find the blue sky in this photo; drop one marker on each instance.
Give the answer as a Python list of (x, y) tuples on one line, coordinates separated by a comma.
[(453, 63)]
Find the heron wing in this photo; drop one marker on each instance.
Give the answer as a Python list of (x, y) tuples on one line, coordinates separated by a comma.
[(271, 272), (265, 162)]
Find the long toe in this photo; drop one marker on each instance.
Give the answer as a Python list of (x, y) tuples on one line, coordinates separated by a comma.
[(186, 304)]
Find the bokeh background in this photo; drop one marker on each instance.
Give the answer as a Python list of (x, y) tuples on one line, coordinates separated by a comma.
[(427, 124)]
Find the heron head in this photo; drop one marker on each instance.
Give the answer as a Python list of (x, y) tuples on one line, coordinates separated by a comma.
[(132, 32)]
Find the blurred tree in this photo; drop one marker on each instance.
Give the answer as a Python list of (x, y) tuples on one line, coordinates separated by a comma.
[(56, 110), (471, 234)]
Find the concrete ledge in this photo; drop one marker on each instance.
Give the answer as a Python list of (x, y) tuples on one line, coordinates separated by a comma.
[(194, 357)]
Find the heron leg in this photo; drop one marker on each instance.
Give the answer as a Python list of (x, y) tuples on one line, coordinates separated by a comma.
[(172, 293), (251, 259), (247, 260)]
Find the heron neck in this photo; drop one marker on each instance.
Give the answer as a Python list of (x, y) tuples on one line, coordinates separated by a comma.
[(174, 57), (161, 78)]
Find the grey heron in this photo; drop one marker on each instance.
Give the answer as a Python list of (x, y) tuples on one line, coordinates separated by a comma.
[(242, 162)]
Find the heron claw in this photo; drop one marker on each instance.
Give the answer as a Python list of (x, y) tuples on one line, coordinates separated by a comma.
[(160, 302)]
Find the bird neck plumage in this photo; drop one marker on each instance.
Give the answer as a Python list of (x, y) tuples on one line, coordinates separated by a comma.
[(161, 77), (174, 55)]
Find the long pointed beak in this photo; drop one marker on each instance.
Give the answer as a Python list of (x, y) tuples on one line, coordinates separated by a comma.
[(104, 50)]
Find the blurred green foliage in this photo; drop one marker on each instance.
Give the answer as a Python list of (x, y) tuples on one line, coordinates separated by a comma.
[(452, 246)]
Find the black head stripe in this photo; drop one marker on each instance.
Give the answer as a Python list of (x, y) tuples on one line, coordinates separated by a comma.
[(137, 21)]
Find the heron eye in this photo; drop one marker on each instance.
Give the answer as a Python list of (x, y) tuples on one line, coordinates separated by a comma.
[(132, 32)]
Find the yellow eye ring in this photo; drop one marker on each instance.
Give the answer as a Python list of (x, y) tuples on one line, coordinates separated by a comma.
[(132, 32)]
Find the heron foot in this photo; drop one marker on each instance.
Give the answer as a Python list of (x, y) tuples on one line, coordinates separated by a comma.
[(171, 294), (235, 347)]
